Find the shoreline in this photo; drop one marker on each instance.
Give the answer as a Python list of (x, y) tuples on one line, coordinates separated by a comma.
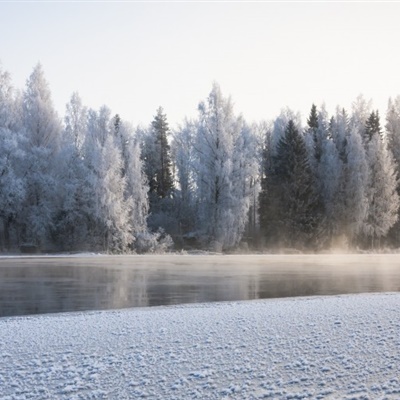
[(343, 346), (282, 252)]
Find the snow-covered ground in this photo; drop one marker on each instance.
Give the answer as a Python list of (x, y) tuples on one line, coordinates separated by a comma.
[(345, 347)]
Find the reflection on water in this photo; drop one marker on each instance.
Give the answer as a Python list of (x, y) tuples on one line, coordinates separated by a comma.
[(45, 285)]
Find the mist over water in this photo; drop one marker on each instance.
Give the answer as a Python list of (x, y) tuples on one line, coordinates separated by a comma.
[(47, 285)]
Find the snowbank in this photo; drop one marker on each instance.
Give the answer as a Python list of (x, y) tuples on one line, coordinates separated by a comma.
[(322, 347)]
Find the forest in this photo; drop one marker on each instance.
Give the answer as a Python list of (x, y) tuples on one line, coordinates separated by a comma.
[(91, 181)]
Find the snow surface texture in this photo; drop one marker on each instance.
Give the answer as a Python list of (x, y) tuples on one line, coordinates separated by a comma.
[(344, 347)]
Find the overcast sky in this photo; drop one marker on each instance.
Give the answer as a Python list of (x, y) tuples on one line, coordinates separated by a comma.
[(135, 57)]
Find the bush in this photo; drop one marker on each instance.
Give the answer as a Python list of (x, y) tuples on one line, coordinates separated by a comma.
[(158, 242)]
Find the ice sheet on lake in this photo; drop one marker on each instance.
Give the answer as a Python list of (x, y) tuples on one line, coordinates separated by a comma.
[(322, 347)]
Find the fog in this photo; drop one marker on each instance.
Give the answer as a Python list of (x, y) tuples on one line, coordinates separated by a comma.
[(31, 285)]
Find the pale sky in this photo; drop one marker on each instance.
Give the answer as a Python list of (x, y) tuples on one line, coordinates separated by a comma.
[(136, 56)]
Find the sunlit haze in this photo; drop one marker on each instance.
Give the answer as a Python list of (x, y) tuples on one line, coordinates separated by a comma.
[(135, 57)]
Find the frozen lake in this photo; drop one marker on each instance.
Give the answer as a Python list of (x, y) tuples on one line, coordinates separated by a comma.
[(36, 285)]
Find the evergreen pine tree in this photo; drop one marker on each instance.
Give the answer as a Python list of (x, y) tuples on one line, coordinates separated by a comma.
[(162, 182), (312, 120), (117, 124), (292, 199), (372, 126), (157, 162), (314, 137)]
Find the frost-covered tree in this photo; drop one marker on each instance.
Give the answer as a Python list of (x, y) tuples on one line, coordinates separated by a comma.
[(112, 203), (183, 154), (12, 185), (72, 166), (75, 121), (261, 137), (246, 180), (393, 129), (42, 130), (339, 128), (355, 186), (109, 220), (361, 111), (327, 170), (223, 170), (93, 183), (335, 178), (280, 125), (136, 196), (393, 142), (383, 199), (328, 162), (12, 182), (6, 100), (41, 121), (74, 198), (330, 177), (102, 190)]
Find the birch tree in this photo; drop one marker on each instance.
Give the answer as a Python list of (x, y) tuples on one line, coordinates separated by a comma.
[(222, 174), (109, 215)]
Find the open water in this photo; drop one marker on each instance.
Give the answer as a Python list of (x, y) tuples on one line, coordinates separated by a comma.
[(36, 285)]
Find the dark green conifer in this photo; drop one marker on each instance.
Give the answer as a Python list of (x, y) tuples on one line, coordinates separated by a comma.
[(162, 181), (372, 126), (290, 209), (312, 120), (312, 130)]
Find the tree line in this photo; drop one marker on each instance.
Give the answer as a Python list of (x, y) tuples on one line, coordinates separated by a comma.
[(94, 182)]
